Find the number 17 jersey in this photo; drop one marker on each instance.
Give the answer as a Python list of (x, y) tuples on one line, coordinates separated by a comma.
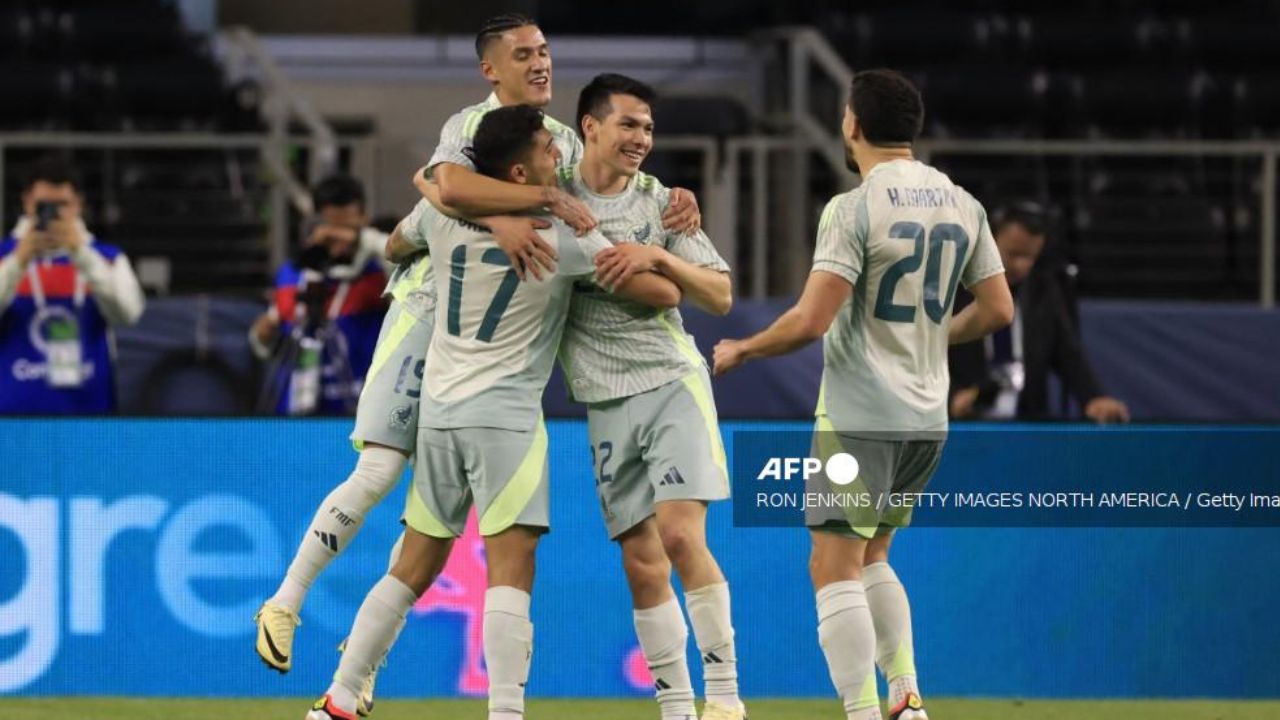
[(904, 239), (496, 336)]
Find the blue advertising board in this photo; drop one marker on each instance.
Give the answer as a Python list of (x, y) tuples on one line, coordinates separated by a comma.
[(133, 554)]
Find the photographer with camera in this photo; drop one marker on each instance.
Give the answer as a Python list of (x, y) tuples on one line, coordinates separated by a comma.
[(61, 293), (320, 332)]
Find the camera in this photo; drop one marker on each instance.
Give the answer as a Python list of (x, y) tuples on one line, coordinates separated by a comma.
[(46, 212)]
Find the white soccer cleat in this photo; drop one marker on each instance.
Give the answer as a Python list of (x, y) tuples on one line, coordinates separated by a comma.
[(716, 711), (276, 626)]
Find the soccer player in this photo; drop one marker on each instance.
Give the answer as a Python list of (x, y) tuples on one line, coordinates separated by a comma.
[(482, 440), (385, 432), (655, 441), (888, 258), (515, 58)]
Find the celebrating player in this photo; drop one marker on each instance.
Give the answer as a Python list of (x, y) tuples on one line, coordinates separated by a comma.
[(482, 439), (888, 258), (655, 440)]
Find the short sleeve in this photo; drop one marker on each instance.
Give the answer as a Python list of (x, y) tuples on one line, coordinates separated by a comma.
[(577, 254), (454, 136), (417, 225), (985, 260), (696, 248), (842, 236)]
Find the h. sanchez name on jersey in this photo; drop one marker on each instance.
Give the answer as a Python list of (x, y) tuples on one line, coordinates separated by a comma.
[(904, 239), (614, 348)]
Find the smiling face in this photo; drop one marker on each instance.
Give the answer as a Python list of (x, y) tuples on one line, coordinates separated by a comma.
[(518, 65), (624, 137)]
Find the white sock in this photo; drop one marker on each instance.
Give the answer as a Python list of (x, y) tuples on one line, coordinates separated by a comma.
[(891, 613), (663, 637), (338, 520), (848, 641), (377, 625), (712, 622), (508, 649)]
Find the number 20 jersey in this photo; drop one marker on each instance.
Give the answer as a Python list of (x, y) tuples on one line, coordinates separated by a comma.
[(904, 239), (496, 336)]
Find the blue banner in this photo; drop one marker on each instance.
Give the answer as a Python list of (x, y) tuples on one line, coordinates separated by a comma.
[(133, 554)]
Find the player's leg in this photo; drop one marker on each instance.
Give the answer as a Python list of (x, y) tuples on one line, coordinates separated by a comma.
[(385, 431), (508, 476), (840, 538), (626, 499), (890, 610), (686, 464), (435, 513), (382, 616), (845, 628), (659, 623)]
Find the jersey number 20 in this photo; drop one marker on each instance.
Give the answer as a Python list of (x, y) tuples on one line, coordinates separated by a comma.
[(934, 307), (497, 306)]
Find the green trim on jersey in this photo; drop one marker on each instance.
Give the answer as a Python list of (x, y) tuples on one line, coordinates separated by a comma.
[(418, 517), (505, 509)]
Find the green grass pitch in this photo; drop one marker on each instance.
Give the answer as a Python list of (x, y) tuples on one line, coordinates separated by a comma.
[(939, 709)]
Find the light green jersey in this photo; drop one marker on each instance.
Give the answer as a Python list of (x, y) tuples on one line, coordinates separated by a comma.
[(496, 336), (412, 282), (903, 239), (460, 129), (613, 347)]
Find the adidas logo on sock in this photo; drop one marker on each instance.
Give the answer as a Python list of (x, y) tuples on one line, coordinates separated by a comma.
[(661, 684), (330, 540), (711, 658)]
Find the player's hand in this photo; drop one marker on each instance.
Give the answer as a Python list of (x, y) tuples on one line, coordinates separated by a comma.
[(66, 234), (616, 265), (683, 216), (519, 240), (728, 354), (962, 402), (1105, 410), (571, 210)]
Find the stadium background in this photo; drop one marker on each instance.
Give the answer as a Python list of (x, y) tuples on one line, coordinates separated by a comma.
[(1150, 129)]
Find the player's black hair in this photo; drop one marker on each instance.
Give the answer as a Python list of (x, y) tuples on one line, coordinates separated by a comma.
[(495, 26), (337, 191), (53, 169), (1028, 213), (889, 108), (504, 138), (594, 98)]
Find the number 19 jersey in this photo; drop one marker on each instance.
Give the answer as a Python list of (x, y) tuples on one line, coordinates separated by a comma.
[(904, 239), (496, 336)]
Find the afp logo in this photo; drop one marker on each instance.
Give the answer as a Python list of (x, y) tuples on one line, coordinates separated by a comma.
[(841, 468)]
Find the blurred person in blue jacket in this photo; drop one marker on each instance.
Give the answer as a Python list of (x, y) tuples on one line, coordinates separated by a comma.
[(327, 310), (61, 293)]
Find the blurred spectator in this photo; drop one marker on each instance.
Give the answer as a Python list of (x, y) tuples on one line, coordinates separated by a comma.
[(321, 330), (61, 293), (1006, 375)]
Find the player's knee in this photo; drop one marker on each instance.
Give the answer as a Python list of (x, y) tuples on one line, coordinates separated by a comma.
[(377, 472), (646, 574), (680, 543)]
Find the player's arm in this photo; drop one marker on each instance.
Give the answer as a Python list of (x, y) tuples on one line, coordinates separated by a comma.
[(991, 309), (707, 288), (650, 289), (516, 236), (808, 320), (399, 249)]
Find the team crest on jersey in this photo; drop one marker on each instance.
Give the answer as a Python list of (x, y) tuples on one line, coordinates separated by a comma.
[(641, 233), (400, 417)]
